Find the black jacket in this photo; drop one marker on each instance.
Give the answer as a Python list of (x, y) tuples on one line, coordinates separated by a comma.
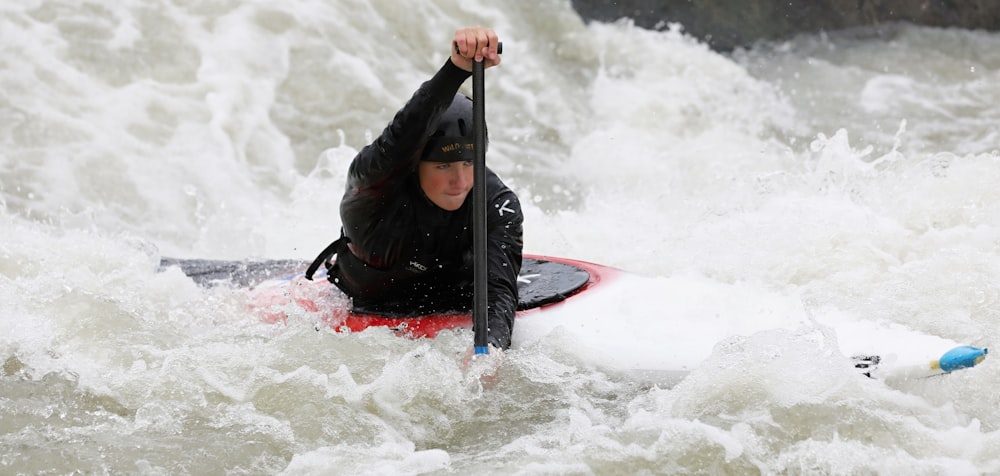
[(407, 256)]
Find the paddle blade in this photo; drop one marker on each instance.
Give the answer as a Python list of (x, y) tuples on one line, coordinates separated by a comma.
[(960, 357)]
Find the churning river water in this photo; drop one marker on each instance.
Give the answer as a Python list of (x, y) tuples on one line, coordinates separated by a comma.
[(840, 174)]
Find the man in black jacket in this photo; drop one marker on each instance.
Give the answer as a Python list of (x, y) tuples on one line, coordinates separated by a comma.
[(406, 243)]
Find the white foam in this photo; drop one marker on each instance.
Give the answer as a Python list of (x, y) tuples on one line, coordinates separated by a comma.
[(759, 200)]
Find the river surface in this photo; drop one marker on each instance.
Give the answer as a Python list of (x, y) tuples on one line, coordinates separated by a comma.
[(830, 175)]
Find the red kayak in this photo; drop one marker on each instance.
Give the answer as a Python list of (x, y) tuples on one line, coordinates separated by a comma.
[(278, 289)]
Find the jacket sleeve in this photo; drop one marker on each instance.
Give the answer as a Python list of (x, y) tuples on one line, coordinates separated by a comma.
[(396, 148), (504, 254)]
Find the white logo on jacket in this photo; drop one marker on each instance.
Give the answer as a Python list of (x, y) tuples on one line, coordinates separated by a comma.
[(503, 208), (416, 265)]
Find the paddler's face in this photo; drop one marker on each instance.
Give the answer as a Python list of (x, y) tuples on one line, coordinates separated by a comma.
[(446, 183)]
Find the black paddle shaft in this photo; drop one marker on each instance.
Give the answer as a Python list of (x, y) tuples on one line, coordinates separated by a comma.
[(480, 306)]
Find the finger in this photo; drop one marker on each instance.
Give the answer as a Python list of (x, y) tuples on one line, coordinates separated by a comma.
[(461, 42), (494, 43), (482, 43), (472, 41)]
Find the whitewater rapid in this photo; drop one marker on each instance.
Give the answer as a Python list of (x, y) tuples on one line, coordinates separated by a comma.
[(757, 194)]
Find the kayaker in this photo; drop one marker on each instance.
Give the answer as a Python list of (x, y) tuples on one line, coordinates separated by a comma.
[(406, 239)]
